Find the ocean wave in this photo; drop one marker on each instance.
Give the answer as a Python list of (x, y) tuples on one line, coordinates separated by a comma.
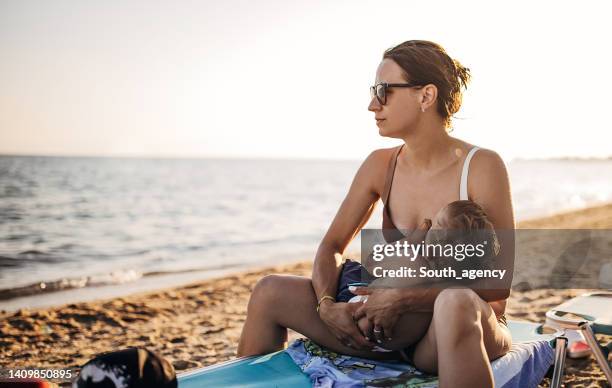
[(29, 257), (9, 262), (97, 280)]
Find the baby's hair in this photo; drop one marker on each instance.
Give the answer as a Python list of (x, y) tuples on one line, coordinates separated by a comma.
[(466, 222), (465, 215)]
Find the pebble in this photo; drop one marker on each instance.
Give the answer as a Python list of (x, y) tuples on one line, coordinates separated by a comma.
[(185, 364)]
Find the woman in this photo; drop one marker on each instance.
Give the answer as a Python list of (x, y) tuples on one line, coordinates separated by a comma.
[(452, 332)]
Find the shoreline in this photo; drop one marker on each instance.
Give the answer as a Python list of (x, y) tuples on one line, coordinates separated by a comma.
[(591, 217), (199, 323), (143, 285)]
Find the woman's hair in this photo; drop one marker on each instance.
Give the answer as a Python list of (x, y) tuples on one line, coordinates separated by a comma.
[(427, 62)]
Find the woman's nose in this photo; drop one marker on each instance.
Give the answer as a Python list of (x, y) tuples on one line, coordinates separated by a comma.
[(374, 105)]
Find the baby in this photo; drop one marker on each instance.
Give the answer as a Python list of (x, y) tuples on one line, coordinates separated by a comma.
[(456, 223)]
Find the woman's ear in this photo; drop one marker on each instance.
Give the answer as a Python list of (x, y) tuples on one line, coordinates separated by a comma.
[(429, 93)]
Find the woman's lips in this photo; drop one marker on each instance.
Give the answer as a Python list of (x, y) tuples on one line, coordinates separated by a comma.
[(378, 121)]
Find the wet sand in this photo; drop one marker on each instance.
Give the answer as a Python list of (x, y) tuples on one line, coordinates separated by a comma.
[(199, 324)]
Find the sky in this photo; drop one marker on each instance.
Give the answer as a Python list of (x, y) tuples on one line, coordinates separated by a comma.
[(289, 79)]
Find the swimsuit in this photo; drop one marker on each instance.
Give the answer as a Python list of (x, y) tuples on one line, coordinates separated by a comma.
[(390, 232)]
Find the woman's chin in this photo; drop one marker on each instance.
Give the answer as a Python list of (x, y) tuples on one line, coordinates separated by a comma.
[(386, 132)]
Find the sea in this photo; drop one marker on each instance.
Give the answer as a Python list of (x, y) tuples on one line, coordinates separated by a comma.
[(81, 228)]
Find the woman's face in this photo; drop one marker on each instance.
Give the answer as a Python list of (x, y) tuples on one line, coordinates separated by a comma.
[(403, 107)]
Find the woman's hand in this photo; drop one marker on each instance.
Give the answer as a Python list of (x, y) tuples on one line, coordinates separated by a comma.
[(384, 306), (339, 319), (383, 309)]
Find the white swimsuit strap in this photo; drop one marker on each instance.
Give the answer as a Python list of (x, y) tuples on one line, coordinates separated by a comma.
[(463, 190)]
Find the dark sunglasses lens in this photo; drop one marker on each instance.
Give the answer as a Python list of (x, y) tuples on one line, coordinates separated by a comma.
[(381, 93)]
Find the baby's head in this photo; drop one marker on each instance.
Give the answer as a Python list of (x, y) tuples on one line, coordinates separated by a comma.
[(461, 215), (463, 222)]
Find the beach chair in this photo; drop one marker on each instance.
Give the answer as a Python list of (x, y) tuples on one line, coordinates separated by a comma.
[(590, 314), (279, 370)]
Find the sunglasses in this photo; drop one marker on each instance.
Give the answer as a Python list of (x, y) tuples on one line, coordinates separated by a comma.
[(380, 90)]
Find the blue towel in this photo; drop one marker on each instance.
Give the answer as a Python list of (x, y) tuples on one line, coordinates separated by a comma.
[(524, 366)]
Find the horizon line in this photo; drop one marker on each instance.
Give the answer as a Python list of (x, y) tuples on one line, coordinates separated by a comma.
[(173, 157), (259, 157)]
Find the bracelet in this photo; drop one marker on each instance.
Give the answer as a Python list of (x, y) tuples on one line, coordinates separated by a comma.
[(323, 298)]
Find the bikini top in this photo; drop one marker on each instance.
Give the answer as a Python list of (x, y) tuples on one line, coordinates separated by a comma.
[(390, 231)]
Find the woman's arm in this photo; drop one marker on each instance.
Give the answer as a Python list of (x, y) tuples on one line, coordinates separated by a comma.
[(489, 186), (353, 213)]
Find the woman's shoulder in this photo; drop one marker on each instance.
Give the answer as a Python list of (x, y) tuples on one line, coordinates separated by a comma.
[(486, 161), (482, 158), (379, 160), (380, 157), (463, 148), (374, 167), (485, 166), (487, 175), (489, 186)]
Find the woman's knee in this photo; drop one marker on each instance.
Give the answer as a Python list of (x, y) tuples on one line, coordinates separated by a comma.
[(272, 291), (457, 313), (267, 291), (454, 302)]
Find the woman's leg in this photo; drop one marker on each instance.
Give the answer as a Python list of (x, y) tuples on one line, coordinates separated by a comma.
[(279, 302), (464, 336)]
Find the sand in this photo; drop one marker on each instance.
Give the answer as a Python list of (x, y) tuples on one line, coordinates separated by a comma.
[(199, 324)]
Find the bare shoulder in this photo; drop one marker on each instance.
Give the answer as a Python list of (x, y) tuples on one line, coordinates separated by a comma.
[(378, 160), (380, 157), (375, 167), (483, 162), (487, 164), (489, 185)]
